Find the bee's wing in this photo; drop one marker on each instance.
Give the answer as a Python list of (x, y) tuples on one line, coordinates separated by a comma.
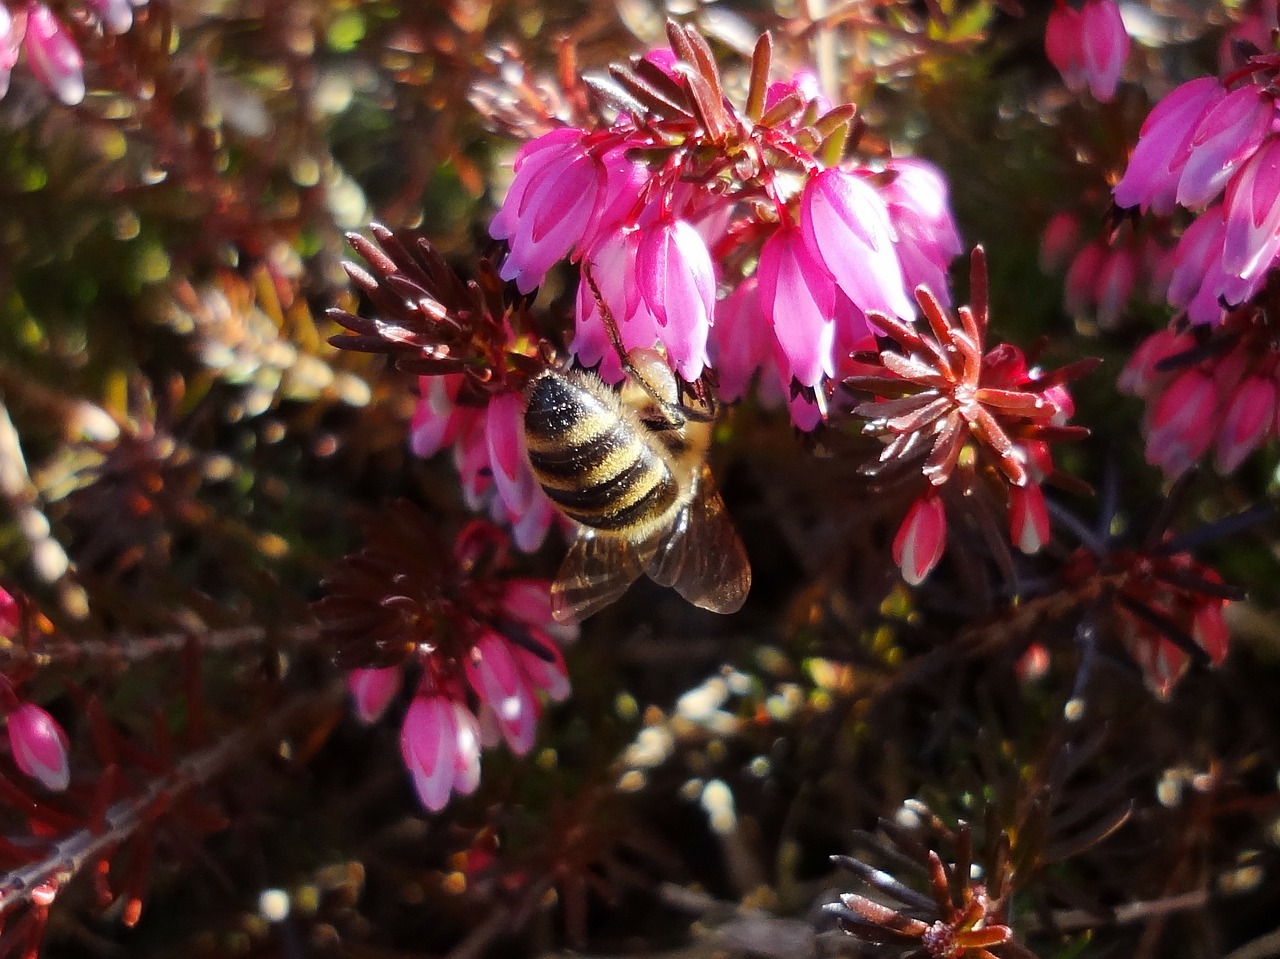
[(702, 555), (597, 570)]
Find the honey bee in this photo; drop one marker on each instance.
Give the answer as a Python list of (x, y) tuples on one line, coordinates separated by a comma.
[(629, 467)]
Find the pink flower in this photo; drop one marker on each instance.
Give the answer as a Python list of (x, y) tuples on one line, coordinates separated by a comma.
[(1164, 146), (502, 688), (1247, 422), (437, 420), (550, 206), (920, 211), (846, 228), (1182, 423), (677, 280), (372, 691), (1140, 376), (440, 744), (1082, 275), (798, 297), (10, 615), (1196, 277), (1252, 236), (39, 746), (740, 341), (1115, 285), (921, 538), (613, 267), (1088, 46), (1227, 135), (53, 56), (1028, 518), (12, 30), (1059, 239)]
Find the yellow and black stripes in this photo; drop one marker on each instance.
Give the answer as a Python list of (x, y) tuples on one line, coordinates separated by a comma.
[(592, 459)]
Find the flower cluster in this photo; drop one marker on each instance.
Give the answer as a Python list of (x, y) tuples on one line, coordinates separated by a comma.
[(51, 51), (944, 406), (1211, 147), (1088, 44), (1208, 390), (483, 641), (682, 193)]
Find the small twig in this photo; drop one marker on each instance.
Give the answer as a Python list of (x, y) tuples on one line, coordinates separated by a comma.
[(71, 853), (1261, 948), (127, 650)]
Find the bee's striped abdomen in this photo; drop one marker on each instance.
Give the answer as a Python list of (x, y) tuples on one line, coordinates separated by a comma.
[(590, 459)]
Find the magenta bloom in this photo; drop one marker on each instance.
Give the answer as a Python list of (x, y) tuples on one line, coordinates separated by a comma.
[(1028, 518), (1252, 236), (53, 56), (372, 691), (1058, 241), (550, 206), (1164, 146), (846, 228), (798, 295), (677, 280), (1183, 423), (1196, 279), (504, 691), (740, 342), (440, 744), (437, 419), (920, 211), (613, 267), (921, 538), (1088, 46), (1227, 135), (1247, 423), (39, 746)]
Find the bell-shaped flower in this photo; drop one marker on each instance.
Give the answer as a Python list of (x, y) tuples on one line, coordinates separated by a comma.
[(1080, 292), (1059, 240), (372, 691), (1028, 518), (39, 746), (1115, 284), (1225, 138), (504, 433), (1197, 276), (550, 206), (678, 283), (440, 745), (846, 228), (498, 682), (544, 670), (1183, 423), (1252, 236), (921, 538), (798, 297), (1140, 376), (1164, 146), (1247, 423), (12, 30), (920, 211), (1088, 46), (612, 262), (52, 55), (437, 420), (1209, 630), (740, 341)]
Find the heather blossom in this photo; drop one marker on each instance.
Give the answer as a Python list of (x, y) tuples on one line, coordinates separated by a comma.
[(483, 647), (1088, 44), (680, 200)]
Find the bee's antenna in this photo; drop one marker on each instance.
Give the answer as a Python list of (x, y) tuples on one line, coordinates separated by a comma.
[(610, 324)]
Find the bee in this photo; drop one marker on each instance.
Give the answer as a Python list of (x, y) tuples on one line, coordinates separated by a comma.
[(628, 466)]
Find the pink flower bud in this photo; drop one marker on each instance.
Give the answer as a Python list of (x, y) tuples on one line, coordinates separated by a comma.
[(1164, 145), (921, 538), (677, 281), (10, 615), (798, 297), (1209, 630), (1253, 221), (39, 746), (496, 678), (1183, 423), (1058, 241), (1227, 135), (1028, 518), (1088, 46), (846, 228), (1197, 272), (436, 420), (504, 433), (1247, 422), (1033, 664), (372, 691), (53, 56), (1140, 376), (12, 30), (548, 675), (440, 745), (920, 212), (550, 206), (1115, 285)]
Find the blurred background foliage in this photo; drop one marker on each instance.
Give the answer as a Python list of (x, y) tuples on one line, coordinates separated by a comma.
[(185, 455)]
